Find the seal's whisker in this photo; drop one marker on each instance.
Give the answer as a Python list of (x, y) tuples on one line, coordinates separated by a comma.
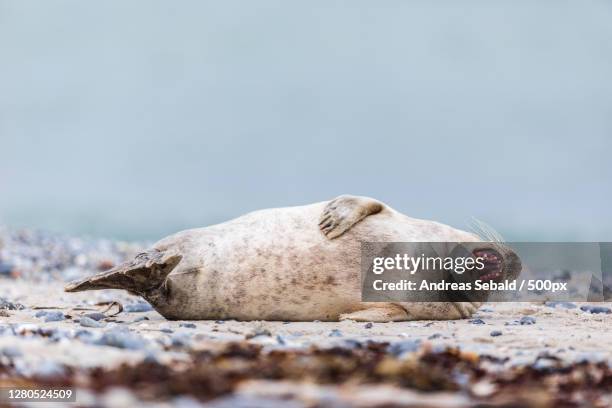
[(485, 231)]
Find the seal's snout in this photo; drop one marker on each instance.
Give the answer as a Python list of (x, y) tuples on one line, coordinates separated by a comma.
[(493, 264), (499, 263)]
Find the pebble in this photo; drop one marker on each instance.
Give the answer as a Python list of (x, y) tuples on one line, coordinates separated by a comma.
[(166, 330), (352, 343), (259, 332), (543, 364), (84, 335), (25, 328), (496, 333), (368, 325), (140, 319), (55, 317), (335, 333), (476, 321), (6, 305), (10, 352), (434, 336), (595, 309), (56, 335), (123, 339), (180, 340), (50, 316), (406, 346), (5, 269), (566, 305), (188, 325), (48, 369), (138, 307), (89, 322), (97, 316), (527, 320)]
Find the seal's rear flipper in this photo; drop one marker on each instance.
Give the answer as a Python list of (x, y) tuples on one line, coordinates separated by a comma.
[(148, 271), (340, 214)]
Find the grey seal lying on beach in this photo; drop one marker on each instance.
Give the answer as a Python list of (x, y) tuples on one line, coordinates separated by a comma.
[(295, 263)]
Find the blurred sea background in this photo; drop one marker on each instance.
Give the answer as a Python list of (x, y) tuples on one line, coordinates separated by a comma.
[(133, 120)]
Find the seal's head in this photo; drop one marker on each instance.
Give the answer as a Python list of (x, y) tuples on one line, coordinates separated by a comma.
[(494, 262)]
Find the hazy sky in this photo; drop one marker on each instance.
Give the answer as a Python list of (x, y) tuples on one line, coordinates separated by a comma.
[(135, 119)]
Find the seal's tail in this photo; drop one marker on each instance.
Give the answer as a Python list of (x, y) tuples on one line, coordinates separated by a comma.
[(148, 271)]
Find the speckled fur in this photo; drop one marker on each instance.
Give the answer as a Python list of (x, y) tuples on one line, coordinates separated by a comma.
[(276, 264)]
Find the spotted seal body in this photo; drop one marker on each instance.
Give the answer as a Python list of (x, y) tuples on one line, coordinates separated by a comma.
[(296, 263)]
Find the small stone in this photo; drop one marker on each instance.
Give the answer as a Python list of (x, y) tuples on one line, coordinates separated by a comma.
[(335, 333), (527, 320), (352, 343), (434, 336), (166, 330), (258, 332), (281, 340), (476, 321), (496, 333), (543, 364), (60, 335), (402, 347), (140, 319), (180, 340), (566, 305), (138, 307), (368, 325), (54, 316), (595, 309), (25, 329), (219, 321), (49, 369), (188, 325), (83, 335), (6, 305), (89, 322), (11, 352), (122, 339), (96, 316), (5, 269)]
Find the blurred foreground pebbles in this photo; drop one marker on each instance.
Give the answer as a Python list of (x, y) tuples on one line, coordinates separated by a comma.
[(119, 352), (430, 376)]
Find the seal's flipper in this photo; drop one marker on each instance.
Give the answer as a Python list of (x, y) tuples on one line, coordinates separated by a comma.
[(340, 214), (388, 312), (147, 272)]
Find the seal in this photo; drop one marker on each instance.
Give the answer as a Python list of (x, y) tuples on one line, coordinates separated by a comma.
[(292, 264)]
